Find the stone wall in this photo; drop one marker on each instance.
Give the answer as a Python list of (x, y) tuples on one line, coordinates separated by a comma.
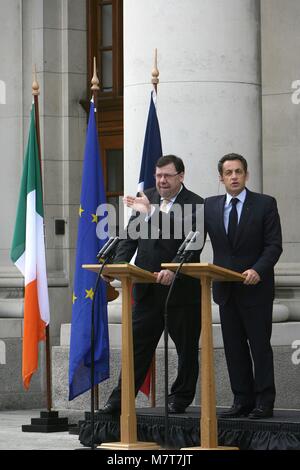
[(12, 393)]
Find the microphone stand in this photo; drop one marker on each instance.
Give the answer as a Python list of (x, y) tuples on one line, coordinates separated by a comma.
[(184, 257), (183, 260), (93, 352)]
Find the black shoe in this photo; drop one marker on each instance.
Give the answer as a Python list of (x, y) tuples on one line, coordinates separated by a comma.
[(110, 408), (261, 412), (174, 408), (236, 411)]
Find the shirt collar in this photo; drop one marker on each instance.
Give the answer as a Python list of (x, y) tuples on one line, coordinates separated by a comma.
[(241, 197)]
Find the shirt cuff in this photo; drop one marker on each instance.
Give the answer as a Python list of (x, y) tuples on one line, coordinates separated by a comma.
[(148, 217)]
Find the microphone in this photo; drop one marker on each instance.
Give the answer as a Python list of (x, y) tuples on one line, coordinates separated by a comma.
[(189, 248), (184, 243), (104, 247), (111, 248)]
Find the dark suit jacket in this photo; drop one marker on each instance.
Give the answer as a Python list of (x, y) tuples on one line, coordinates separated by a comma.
[(258, 245), (153, 251)]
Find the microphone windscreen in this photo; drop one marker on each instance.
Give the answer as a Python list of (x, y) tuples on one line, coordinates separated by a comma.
[(189, 246), (111, 247), (104, 247), (184, 243)]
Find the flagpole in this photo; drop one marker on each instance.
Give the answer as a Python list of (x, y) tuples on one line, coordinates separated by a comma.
[(35, 93), (154, 81), (155, 72), (110, 290), (49, 421), (95, 88)]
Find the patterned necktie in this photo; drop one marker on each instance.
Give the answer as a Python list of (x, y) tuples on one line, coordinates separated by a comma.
[(164, 205), (233, 221)]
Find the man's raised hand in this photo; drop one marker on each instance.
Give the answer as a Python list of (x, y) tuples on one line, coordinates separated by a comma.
[(138, 203)]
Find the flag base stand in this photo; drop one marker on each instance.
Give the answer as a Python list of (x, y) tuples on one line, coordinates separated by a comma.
[(48, 421)]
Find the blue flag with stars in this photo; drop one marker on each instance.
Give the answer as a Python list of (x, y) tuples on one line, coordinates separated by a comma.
[(88, 246)]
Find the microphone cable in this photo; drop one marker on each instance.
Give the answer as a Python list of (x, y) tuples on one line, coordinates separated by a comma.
[(185, 256), (166, 351), (92, 377)]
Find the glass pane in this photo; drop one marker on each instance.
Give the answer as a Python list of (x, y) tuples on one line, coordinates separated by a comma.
[(107, 71), (106, 26), (114, 163)]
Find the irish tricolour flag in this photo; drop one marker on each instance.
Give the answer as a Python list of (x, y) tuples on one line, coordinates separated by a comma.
[(28, 254)]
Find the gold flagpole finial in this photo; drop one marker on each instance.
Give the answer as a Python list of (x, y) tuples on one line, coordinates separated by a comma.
[(155, 71), (35, 84), (95, 80)]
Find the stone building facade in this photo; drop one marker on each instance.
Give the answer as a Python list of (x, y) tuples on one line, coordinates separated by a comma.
[(228, 82)]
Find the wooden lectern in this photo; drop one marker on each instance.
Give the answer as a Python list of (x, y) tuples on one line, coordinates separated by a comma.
[(127, 274), (207, 273)]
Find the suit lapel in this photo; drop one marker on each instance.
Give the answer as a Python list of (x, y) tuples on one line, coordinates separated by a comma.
[(220, 216), (182, 196), (154, 197), (244, 219)]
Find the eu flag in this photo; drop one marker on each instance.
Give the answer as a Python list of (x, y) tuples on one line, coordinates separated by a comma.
[(152, 150), (88, 245)]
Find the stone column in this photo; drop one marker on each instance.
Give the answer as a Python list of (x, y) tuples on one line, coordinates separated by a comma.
[(209, 90), (209, 95), (281, 124), (11, 130)]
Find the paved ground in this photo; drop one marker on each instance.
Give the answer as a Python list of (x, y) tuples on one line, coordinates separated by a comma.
[(12, 437)]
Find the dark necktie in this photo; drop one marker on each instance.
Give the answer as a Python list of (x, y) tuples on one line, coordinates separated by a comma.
[(233, 221)]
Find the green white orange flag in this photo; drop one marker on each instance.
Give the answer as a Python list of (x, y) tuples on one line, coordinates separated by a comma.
[(28, 254)]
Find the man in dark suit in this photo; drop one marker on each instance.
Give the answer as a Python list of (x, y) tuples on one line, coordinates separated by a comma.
[(245, 232), (164, 208)]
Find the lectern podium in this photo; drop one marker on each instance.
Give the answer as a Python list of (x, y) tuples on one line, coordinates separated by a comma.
[(207, 273), (127, 274)]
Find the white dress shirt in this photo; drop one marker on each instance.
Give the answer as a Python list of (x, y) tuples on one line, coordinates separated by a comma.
[(239, 206)]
